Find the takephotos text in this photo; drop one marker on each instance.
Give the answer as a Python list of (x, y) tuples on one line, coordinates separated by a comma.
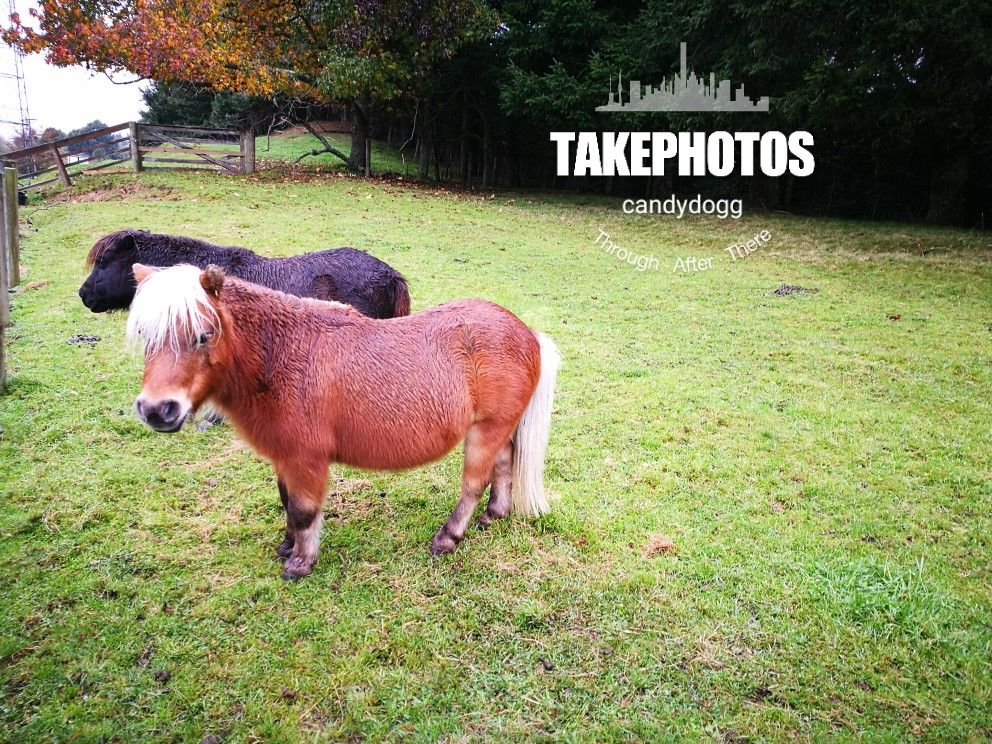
[(683, 153)]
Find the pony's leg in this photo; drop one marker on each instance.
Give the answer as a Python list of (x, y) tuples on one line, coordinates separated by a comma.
[(499, 493), (304, 488), (211, 418), (483, 442), (286, 546)]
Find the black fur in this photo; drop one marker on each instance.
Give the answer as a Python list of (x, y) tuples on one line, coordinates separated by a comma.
[(346, 275), (299, 517)]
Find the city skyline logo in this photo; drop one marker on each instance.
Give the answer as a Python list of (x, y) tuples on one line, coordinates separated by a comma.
[(685, 92)]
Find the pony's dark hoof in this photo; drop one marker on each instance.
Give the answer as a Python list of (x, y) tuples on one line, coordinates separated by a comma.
[(285, 549), (487, 519), (296, 568), (442, 544)]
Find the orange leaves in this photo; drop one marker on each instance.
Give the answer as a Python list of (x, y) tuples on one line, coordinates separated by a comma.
[(327, 49), (221, 43)]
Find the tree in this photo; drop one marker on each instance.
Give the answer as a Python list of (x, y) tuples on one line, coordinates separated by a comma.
[(176, 103), (196, 106), (360, 51), (50, 134), (897, 93), (96, 145)]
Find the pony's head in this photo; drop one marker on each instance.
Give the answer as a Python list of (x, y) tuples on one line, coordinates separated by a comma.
[(110, 285), (175, 319)]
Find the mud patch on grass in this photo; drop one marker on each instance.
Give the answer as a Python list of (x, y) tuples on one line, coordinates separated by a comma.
[(658, 545), (83, 339), (116, 192), (791, 289)]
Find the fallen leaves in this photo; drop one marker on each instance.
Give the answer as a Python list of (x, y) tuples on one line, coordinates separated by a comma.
[(658, 545)]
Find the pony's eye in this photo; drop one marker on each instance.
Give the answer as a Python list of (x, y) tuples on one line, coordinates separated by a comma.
[(203, 338)]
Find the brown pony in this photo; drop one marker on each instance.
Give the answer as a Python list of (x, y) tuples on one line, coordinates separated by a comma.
[(307, 383)]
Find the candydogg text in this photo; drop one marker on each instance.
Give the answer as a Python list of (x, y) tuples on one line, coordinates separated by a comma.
[(683, 153)]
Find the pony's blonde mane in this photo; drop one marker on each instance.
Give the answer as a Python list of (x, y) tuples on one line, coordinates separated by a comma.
[(170, 307)]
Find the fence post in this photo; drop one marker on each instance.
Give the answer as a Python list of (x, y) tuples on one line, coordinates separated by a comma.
[(4, 291), (63, 173), (248, 151), (134, 130), (11, 234)]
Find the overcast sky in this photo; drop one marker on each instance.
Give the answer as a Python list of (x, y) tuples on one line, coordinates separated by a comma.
[(62, 97)]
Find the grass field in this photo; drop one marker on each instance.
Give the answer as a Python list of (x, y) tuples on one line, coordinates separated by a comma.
[(774, 513), (289, 147)]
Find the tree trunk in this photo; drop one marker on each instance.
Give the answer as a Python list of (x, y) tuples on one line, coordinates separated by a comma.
[(359, 133), (766, 192), (487, 152), (947, 189), (463, 169), (423, 128)]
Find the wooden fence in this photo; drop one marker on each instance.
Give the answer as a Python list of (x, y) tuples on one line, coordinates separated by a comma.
[(10, 259), (142, 146), (131, 145)]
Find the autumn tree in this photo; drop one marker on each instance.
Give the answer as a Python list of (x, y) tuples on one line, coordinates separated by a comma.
[(359, 51)]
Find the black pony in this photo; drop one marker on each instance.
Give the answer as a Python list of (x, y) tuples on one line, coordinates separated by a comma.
[(346, 275)]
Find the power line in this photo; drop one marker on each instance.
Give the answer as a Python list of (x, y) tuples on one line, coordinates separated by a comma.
[(22, 90)]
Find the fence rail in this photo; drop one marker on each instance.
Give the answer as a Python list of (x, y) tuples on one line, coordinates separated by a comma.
[(61, 161), (145, 146)]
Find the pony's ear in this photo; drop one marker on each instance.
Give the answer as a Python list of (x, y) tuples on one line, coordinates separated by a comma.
[(142, 272), (212, 279)]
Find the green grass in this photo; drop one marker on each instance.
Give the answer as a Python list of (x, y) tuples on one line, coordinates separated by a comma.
[(820, 461), (385, 158)]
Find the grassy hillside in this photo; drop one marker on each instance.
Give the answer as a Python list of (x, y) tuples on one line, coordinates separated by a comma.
[(773, 512)]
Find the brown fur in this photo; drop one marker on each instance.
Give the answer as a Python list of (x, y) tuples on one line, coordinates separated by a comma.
[(307, 383)]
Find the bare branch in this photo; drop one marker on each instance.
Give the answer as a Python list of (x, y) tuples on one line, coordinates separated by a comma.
[(413, 132), (328, 147), (109, 77)]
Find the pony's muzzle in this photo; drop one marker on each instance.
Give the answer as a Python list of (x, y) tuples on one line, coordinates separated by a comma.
[(85, 296), (165, 415)]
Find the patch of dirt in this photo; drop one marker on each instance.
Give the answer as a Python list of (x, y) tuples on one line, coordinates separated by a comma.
[(657, 545), (340, 509), (791, 289), (759, 694), (114, 193), (394, 183), (32, 285), (344, 485), (80, 339)]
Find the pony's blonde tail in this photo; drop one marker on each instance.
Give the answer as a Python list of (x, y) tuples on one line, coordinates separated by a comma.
[(531, 438)]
